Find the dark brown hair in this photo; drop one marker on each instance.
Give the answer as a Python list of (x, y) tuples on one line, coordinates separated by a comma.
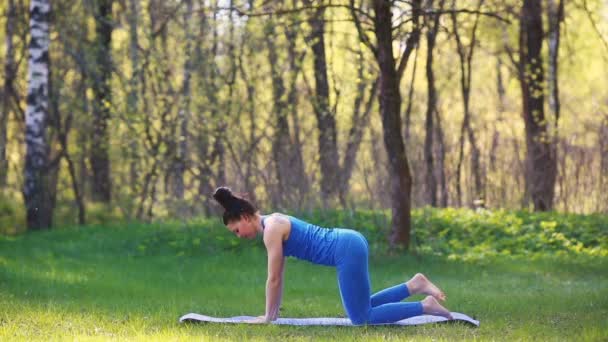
[(236, 206)]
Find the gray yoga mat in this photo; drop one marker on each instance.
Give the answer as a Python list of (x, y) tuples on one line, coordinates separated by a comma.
[(417, 320)]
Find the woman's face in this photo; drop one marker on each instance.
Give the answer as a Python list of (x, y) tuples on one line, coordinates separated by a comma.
[(245, 228)]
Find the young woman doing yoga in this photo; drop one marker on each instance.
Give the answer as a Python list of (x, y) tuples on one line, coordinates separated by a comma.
[(344, 249)]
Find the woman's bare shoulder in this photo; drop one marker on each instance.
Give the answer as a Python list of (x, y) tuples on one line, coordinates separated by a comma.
[(277, 218), (278, 222)]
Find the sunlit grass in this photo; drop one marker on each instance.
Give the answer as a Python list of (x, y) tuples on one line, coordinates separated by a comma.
[(133, 283)]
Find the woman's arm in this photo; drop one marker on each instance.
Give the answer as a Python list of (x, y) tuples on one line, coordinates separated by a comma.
[(273, 240)]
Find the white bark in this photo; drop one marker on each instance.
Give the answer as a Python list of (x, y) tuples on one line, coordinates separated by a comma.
[(36, 116)]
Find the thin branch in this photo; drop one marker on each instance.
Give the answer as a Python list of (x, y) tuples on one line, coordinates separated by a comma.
[(362, 35), (411, 42), (594, 24), (467, 11), (279, 12)]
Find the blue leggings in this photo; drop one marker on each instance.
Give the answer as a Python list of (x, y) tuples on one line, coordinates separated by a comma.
[(353, 279)]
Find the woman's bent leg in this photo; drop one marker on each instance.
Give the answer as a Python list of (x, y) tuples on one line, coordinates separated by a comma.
[(353, 279), (393, 294)]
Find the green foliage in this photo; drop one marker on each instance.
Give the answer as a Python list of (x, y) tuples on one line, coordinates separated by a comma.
[(468, 234), (12, 216), (454, 233)]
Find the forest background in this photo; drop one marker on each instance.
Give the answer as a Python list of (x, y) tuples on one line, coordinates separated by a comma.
[(142, 108)]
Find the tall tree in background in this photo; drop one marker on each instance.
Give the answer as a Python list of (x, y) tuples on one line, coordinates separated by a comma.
[(391, 72), (326, 121), (178, 166), (132, 97), (281, 141), (301, 184), (541, 165), (465, 55), (555, 17), (102, 72), (432, 27), (35, 192), (360, 120), (9, 78)]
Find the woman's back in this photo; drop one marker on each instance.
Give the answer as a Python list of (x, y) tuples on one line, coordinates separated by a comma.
[(310, 242)]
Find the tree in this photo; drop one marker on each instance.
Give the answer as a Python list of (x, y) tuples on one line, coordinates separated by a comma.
[(178, 167), (100, 159), (36, 192), (326, 121), (465, 55), (555, 17), (391, 72), (541, 165), (431, 37), (9, 78)]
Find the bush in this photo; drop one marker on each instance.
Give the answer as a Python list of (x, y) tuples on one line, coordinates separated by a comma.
[(466, 234), (12, 217)]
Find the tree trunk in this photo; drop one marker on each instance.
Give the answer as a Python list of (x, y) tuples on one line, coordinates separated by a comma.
[(408, 109), (496, 138), (219, 151), (431, 181), (36, 176), (326, 122), (300, 183), (9, 77), (603, 175), (390, 103), (132, 98), (466, 55), (541, 168), (178, 167), (556, 16), (250, 156), (355, 135), (443, 186), (281, 142), (202, 136), (100, 159)]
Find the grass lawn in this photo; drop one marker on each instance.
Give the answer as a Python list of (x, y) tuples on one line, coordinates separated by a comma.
[(133, 283)]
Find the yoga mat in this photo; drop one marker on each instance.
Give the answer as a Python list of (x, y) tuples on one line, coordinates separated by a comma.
[(417, 320)]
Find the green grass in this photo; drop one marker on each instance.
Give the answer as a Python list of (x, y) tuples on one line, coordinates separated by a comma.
[(133, 282)]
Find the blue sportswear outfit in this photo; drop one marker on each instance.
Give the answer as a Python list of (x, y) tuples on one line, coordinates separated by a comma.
[(347, 250)]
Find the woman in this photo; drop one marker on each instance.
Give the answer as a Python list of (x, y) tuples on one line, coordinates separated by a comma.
[(345, 249)]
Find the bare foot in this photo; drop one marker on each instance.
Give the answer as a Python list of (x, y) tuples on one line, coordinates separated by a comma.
[(419, 284), (431, 306)]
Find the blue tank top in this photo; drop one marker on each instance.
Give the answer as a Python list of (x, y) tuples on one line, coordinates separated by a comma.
[(310, 242)]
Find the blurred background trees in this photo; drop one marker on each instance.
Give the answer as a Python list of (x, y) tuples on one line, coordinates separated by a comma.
[(147, 106)]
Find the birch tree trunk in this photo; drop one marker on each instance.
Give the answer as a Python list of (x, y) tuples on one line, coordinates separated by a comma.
[(36, 175)]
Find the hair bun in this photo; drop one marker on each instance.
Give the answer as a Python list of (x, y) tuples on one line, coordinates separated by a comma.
[(224, 196)]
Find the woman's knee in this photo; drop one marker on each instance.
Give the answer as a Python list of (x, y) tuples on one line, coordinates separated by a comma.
[(359, 318), (358, 321)]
